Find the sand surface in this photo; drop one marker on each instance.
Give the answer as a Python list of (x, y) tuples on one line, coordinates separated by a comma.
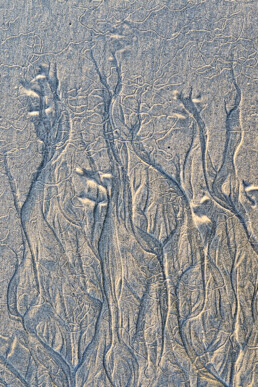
[(129, 193)]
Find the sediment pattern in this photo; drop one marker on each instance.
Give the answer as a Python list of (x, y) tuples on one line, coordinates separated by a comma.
[(129, 232)]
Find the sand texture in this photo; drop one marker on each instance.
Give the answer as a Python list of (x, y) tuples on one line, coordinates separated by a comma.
[(129, 193)]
